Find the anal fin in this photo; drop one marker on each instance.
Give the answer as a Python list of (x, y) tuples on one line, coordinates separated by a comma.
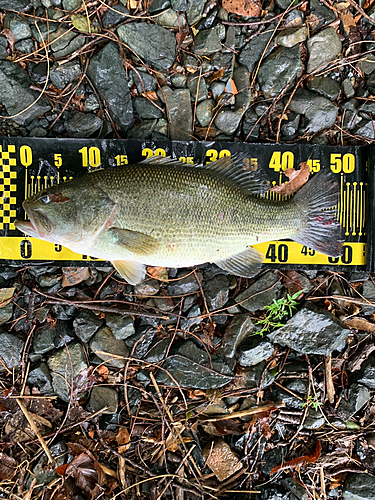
[(132, 272), (245, 264)]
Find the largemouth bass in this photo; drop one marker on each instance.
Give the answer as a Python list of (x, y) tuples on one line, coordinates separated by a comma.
[(161, 212)]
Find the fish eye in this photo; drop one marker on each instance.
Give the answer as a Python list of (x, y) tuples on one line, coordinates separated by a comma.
[(45, 198)]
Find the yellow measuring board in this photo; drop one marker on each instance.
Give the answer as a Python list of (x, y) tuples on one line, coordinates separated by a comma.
[(31, 164)]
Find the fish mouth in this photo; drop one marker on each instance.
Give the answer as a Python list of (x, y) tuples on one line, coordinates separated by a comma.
[(39, 225)]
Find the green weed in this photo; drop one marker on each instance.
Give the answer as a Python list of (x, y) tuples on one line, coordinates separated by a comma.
[(278, 312)]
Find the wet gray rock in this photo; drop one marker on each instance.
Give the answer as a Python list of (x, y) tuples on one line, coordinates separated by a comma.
[(6, 313), (140, 343), (65, 42), (170, 19), (289, 128), (179, 80), (17, 5), (367, 373), (11, 348), (46, 338), (242, 81), (359, 487), (239, 329), (71, 4), (179, 113), (143, 81), (158, 351), (193, 318), (367, 130), (20, 28), (253, 51), (64, 365), (228, 120), (348, 88), (122, 326), (105, 342), (368, 64), (147, 288), (16, 95), (154, 44), (86, 324), (323, 13), (82, 124), (194, 9), (188, 373), (204, 112), (323, 48), (291, 36), (198, 87), (250, 127), (107, 73), (265, 290), (257, 376), (206, 42), (314, 420), (320, 113), (42, 472), (115, 15), (279, 70), (40, 377), (217, 292), (63, 74), (102, 397), (185, 284), (325, 86), (91, 103), (256, 351), (351, 117), (146, 109), (312, 332), (358, 395), (217, 88)]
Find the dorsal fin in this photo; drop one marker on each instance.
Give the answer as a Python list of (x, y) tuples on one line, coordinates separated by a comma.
[(236, 168), (239, 170)]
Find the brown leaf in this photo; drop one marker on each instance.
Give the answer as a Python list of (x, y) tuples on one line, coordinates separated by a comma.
[(7, 467), (298, 462), (292, 282), (87, 473), (151, 94), (221, 460), (10, 39), (250, 8), (159, 273), (215, 76), (297, 178), (348, 22), (74, 275), (86, 379), (123, 439), (360, 324)]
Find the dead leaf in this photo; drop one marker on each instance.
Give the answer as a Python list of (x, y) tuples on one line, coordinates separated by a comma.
[(74, 275), (123, 440), (230, 87), (300, 461), (84, 381), (292, 282), (151, 94), (159, 273), (360, 324), (368, 4), (87, 473), (312, 21), (348, 22), (132, 4), (297, 178), (250, 8), (6, 295), (10, 39), (8, 467), (221, 460)]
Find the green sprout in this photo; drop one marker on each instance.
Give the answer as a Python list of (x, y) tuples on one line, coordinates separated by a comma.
[(312, 402), (277, 312)]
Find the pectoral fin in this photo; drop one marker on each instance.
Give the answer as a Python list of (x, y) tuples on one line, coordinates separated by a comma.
[(138, 243), (245, 264), (132, 272)]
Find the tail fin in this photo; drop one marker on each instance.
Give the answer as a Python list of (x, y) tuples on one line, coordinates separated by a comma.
[(319, 228)]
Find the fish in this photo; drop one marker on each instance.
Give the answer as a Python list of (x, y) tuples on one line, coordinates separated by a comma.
[(162, 212)]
